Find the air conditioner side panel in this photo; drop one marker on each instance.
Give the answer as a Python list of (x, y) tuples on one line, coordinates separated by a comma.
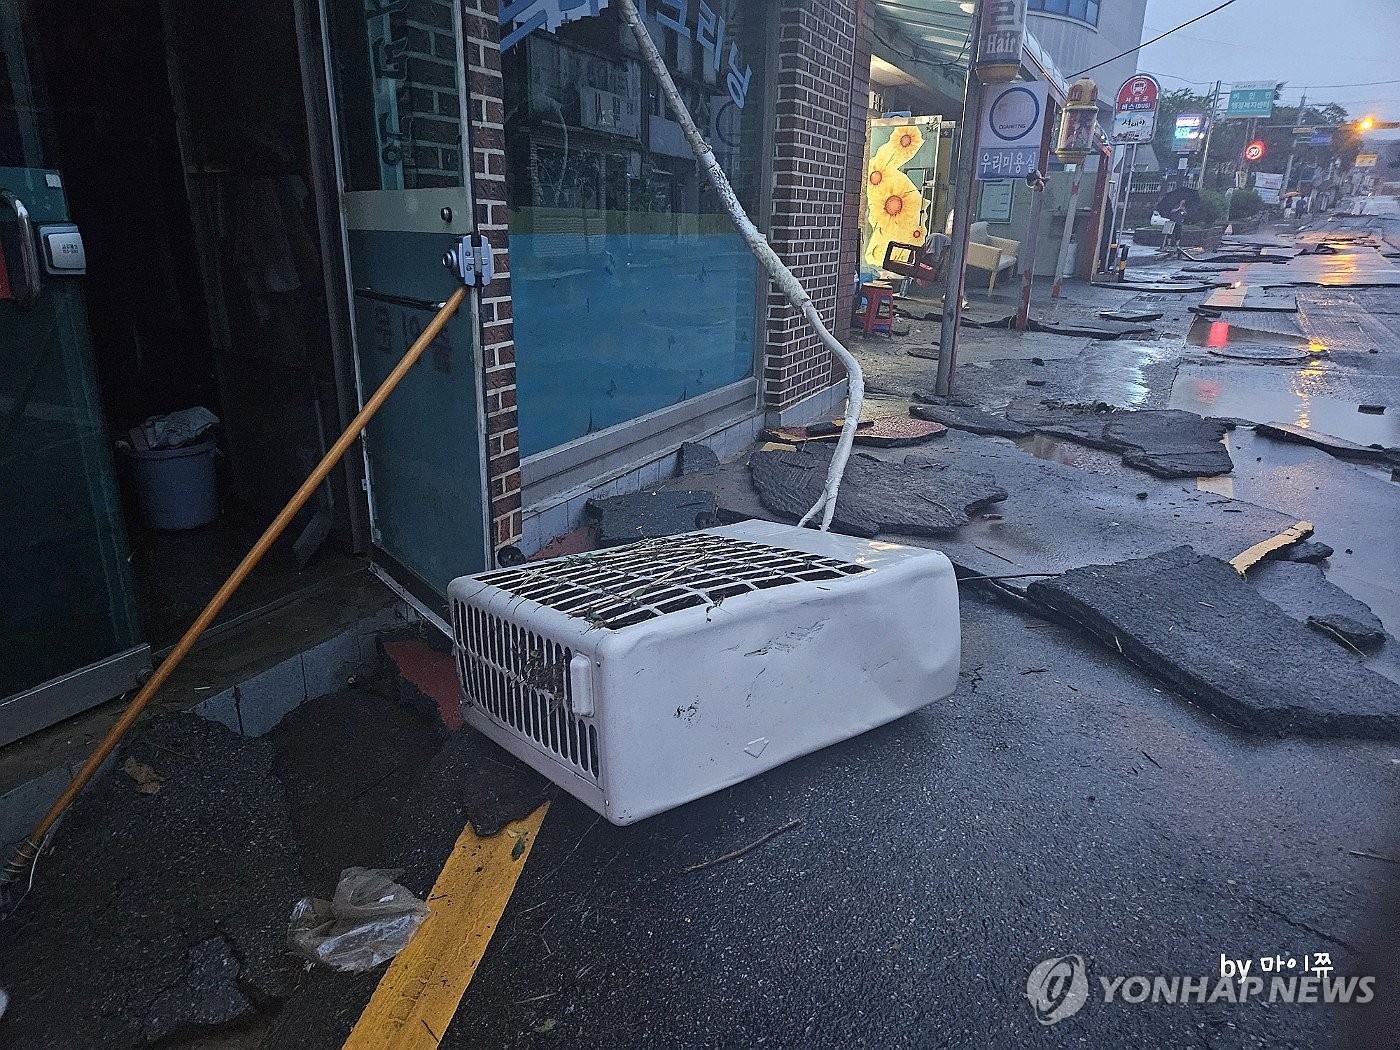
[(729, 692)]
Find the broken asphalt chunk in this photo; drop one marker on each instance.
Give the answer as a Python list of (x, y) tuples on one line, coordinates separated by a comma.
[(972, 420), (1339, 447), (1305, 593), (914, 498), (1190, 620), (1167, 443), (648, 515)]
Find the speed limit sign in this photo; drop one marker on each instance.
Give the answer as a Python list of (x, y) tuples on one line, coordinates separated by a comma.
[(1255, 151)]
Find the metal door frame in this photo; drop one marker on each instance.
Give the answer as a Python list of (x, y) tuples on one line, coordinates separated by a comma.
[(325, 132)]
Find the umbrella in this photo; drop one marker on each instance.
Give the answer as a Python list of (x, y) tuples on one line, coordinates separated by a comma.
[(1169, 200)]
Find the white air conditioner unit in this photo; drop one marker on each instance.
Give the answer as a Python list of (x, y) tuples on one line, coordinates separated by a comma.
[(644, 676)]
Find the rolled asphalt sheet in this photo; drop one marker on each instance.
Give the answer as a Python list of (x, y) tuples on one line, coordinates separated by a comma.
[(1168, 443), (1056, 517), (1190, 620), (1339, 447), (876, 496)]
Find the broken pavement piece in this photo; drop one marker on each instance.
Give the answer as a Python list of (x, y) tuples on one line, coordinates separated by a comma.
[(649, 515), (1261, 352), (695, 457), (1339, 447), (898, 432), (1305, 593), (971, 420), (1167, 443), (915, 498), (1131, 315), (1306, 551), (1190, 620)]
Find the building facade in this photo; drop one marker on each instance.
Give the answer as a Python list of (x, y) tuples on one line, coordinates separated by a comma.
[(276, 244)]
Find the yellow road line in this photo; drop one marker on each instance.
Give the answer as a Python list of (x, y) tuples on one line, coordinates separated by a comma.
[(1245, 560), (422, 987)]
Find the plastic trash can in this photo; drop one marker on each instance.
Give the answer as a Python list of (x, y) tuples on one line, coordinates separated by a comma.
[(177, 488)]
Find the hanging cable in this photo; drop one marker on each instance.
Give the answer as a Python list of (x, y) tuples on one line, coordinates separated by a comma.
[(1168, 33)]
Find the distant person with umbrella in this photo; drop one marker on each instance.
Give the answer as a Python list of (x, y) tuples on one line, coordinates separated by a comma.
[(1178, 222)]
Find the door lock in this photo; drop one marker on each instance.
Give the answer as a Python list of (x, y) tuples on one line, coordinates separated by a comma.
[(471, 262)]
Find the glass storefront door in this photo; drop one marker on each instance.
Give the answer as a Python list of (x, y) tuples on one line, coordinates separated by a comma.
[(68, 631), (397, 86)]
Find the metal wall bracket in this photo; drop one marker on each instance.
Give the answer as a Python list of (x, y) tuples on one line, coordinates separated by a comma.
[(471, 262)]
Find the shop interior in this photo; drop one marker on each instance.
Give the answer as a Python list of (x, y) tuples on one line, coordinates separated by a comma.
[(184, 155)]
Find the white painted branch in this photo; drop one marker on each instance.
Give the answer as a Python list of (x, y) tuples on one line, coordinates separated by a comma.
[(781, 275)]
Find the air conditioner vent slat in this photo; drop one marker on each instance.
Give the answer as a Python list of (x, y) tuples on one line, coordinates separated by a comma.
[(633, 584)]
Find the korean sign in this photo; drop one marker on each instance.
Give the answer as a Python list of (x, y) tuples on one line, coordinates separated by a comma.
[(1009, 134), (1252, 98), (1135, 110), (1189, 133)]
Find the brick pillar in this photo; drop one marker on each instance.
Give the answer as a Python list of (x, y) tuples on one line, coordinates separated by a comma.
[(482, 56), (820, 104)]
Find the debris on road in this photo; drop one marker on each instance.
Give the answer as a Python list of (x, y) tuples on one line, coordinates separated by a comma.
[(650, 515), (913, 499), (1167, 443), (1242, 658), (148, 781), (891, 431), (695, 457), (1304, 592), (370, 920), (795, 822), (972, 420), (1339, 447)]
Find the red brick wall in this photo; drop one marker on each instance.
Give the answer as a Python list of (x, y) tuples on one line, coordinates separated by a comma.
[(482, 33), (815, 111)]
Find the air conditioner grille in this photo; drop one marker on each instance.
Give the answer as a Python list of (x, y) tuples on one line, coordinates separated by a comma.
[(641, 581), (521, 679)]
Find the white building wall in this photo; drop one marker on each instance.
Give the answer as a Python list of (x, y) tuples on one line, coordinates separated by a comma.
[(1074, 45)]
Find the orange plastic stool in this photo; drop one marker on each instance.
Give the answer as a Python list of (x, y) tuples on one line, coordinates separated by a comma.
[(877, 308)]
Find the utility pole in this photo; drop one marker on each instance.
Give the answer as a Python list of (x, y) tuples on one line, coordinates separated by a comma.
[(966, 153), (1210, 130), (1293, 146)]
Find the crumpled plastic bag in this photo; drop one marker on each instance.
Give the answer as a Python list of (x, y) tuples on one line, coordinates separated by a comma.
[(370, 920)]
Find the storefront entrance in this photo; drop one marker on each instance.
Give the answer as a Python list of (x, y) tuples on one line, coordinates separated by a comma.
[(220, 217)]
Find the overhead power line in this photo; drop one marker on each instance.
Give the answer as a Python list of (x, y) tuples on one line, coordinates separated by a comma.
[(1144, 44)]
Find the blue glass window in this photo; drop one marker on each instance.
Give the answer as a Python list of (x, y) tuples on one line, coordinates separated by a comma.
[(1083, 10)]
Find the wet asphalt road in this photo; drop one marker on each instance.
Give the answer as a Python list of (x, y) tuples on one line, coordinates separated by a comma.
[(1058, 803)]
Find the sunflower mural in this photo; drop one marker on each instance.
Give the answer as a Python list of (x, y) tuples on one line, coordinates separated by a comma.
[(893, 201)]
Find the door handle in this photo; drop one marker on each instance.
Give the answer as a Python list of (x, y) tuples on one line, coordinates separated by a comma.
[(399, 300), (28, 252)]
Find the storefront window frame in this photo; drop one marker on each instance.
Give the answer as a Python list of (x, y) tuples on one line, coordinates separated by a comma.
[(550, 474)]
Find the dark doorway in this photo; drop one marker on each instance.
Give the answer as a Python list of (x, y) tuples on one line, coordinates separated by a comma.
[(183, 147)]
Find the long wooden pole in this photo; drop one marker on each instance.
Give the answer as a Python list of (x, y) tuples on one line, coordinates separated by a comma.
[(24, 856)]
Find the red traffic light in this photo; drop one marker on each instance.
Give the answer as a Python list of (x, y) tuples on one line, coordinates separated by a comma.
[(1255, 151)]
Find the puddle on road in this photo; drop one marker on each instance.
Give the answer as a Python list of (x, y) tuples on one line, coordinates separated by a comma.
[(1116, 372), (1278, 394), (1060, 450), (1216, 334)]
